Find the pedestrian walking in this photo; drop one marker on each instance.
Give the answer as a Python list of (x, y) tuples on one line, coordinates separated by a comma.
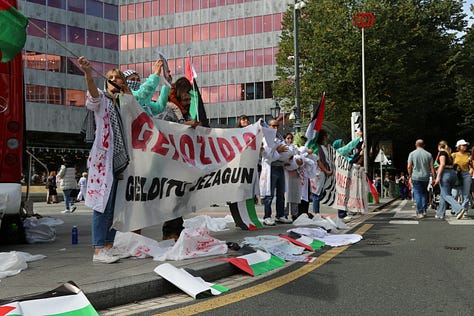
[(446, 178), (51, 186), (67, 177), (462, 158), (420, 167), (82, 187)]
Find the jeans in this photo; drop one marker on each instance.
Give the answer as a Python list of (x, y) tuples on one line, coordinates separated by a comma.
[(277, 178), (464, 190), (446, 183), (102, 233), (67, 198), (316, 199), (421, 195)]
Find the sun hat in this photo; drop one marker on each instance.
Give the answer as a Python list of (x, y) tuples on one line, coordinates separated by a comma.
[(461, 142)]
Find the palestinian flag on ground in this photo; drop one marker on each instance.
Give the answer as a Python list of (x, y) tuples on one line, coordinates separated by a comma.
[(245, 215), (256, 263), (304, 241), (196, 109), (315, 125), (65, 300), (12, 31)]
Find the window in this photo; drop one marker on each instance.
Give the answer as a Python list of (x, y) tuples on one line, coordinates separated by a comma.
[(268, 93), (249, 58), (222, 61), (259, 90), (249, 26), (205, 31), (57, 31), (240, 27), (123, 13), (241, 59), (188, 34), (75, 97), (73, 67), (75, 6), (139, 40), (231, 31), (139, 11), (196, 33), (231, 60), (110, 41), (131, 41), (94, 38), (131, 12), (171, 8), (60, 4), (54, 95), (35, 93), (222, 29), (205, 63), (123, 42), (269, 57), (223, 94), (213, 30), (258, 24), (171, 36), (94, 8), (111, 12), (147, 39), (259, 57), (33, 30), (76, 35), (213, 91), (267, 23), (163, 39), (213, 62), (146, 9), (179, 35)]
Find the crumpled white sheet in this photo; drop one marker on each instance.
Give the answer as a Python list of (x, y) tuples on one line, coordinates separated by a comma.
[(194, 243), (268, 242), (13, 262), (140, 246), (38, 230), (333, 240), (317, 220), (213, 224)]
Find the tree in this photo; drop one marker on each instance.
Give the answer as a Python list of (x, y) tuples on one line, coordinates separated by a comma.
[(410, 86)]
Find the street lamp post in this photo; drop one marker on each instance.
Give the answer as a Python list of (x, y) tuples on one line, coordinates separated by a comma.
[(362, 21), (298, 5)]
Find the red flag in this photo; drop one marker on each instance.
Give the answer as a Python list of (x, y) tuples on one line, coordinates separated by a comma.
[(190, 72)]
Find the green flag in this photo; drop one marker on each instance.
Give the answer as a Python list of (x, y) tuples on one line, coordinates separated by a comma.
[(12, 31)]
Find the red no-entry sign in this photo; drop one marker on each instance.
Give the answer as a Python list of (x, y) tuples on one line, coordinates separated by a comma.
[(363, 20)]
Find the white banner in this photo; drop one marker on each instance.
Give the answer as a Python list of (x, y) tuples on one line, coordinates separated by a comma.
[(347, 188), (175, 169)]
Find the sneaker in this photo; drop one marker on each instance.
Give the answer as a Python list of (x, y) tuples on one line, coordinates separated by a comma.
[(439, 217), (103, 256), (461, 213), (268, 221), (453, 212), (73, 208), (283, 220), (66, 211), (346, 219), (120, 253), (420, 216)]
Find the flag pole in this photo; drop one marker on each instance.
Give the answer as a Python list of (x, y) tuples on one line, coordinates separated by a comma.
[(195, 96)]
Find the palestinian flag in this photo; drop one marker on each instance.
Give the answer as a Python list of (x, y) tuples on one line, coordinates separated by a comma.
[(192, 285), (304, 241), (65, 300), (256, 263), (315, 125), (245, 215), (196, 109), (12, 31), (373, 193)]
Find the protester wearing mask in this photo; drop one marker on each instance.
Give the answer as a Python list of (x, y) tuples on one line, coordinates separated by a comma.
[(144, 92)]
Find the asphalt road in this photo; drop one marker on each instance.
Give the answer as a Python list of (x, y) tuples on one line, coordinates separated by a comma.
[(402, 267)]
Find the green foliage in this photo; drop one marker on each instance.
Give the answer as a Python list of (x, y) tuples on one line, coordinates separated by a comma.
[(418, 69)]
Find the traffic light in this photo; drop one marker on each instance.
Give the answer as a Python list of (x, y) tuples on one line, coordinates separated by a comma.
[(356, 123)]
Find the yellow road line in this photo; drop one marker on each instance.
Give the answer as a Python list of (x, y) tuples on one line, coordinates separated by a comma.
[(264, 287)]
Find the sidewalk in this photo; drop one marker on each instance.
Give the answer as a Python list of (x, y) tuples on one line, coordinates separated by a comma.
[(129, 280)]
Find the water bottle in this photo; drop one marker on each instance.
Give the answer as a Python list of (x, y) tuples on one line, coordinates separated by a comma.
[(74, 235)]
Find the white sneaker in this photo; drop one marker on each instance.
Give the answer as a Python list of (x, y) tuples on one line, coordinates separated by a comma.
[(103, 256), (283, 220), (347, 219), (117, 252), (66, 211), (268, 221)]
